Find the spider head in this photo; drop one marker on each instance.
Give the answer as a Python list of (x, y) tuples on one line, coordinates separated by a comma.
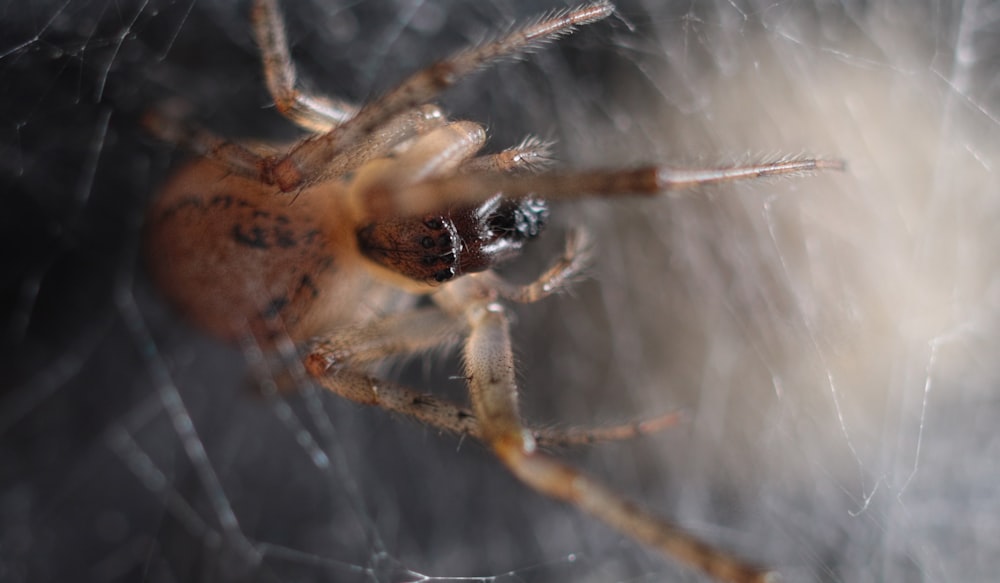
[(437, 248)]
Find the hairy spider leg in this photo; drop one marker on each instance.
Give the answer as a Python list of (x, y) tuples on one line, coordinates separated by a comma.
[(305, 164), (492, 386), (315, 113), (444, 415), (570, 265), (410, 332), (336, 361), (173, 127), (440, 151), (474, 188), (531, 155)]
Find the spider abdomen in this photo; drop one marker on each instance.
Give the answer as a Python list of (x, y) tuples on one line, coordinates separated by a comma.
[(238, 259)]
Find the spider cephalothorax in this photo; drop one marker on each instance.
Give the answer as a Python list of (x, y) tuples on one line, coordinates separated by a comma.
[(437, 248), (392, 203)]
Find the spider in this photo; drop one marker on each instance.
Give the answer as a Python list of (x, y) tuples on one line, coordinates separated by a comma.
[(330, 243)]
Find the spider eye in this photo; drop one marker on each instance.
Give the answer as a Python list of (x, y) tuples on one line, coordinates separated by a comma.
[(424, 249)]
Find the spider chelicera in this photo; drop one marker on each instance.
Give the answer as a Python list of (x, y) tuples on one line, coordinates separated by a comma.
[(330, 243)]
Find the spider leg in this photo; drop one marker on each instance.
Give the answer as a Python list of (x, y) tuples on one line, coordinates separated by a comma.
[(311, 112), (444, 415), (590, 436), (474, 188), (335, 362), (531, 155), (397, 131), (490, 369), (167, 123), (408, 332), (305, 163), (365, 389), (558, 276), (436, 152)]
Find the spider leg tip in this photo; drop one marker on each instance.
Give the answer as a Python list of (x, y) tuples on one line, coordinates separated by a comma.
[(838, 165)]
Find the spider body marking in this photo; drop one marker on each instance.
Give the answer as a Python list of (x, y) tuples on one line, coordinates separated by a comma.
[(331, 242)]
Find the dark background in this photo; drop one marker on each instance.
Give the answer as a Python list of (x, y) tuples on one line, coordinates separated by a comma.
[(831, 339)]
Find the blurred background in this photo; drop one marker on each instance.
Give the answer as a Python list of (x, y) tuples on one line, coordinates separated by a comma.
[(830, 339)]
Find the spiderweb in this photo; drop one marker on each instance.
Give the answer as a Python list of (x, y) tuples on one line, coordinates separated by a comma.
[(831, 339)]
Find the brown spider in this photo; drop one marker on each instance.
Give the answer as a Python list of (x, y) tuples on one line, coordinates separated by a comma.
[(389, 203)]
